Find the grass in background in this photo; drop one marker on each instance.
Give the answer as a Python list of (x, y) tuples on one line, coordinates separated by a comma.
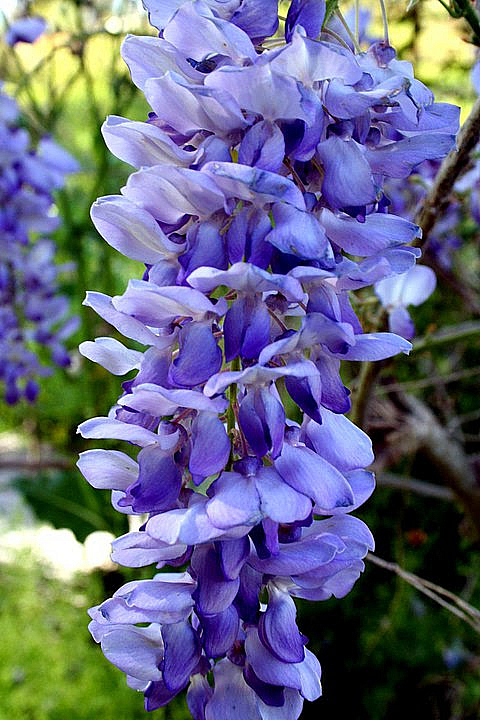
[(50, 668)]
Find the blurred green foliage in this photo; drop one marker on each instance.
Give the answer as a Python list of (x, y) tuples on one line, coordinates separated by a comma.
[(50, 668)]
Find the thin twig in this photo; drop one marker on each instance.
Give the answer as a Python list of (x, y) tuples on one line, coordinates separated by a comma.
[(419, 487), (457, 607), (428, 382)]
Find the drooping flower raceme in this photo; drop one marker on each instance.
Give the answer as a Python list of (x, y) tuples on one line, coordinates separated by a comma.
[(256, 207), (32, 311)]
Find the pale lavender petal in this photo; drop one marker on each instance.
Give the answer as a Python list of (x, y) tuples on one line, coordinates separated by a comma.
[(136, 651), (112, 355), (106, 427), (188, 107), (379, 231), (257, 186), (259, 89), (142, 144), (107, 469), (235, 502)]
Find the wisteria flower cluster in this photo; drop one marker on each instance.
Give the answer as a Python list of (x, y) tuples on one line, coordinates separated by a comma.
[(257, 206), (33, 313)]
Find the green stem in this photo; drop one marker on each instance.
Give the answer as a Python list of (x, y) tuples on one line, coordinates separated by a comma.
[(231, 419)]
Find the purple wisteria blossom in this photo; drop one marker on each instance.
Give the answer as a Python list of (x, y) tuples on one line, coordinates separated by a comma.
[(25, 29), (33, 313), (256, 205), (396, 293)]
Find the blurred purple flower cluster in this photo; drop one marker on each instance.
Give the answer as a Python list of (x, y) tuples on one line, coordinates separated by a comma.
[(256, 208), (32, 311)]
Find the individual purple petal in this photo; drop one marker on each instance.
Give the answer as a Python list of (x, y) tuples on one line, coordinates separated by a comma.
[(290, 710), (198, 694), (149, 57), (346, 102), (309, 14), (299, 233), (159, 482), (257, 186), (410, 288), (235, 501), (307, 394), (303, 676), (339, 441), (184, 526), (258, 19), (210, 445), (128, 326), (232, 697), (188, 107), (348, 177), (166, 600), (198, 33), (277, 627), (401, 323), (310, 61), (263, 146), (214, 593), (219, 631), (111, 354), (26, 29), (142, 144), (232, 555), (246, 328), (107, 469), (271, 695), (205, 246), (157, 695), (156, 400), (136, 651), (246, 237), (300, 557), (398, 159), (181, 654), (105, 427), (261, 90), (379, 231), (262, 419), (137, 549), (377, 346), (278, 501), (313, 476), (168, 192), (159, 306), (199, 356)]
